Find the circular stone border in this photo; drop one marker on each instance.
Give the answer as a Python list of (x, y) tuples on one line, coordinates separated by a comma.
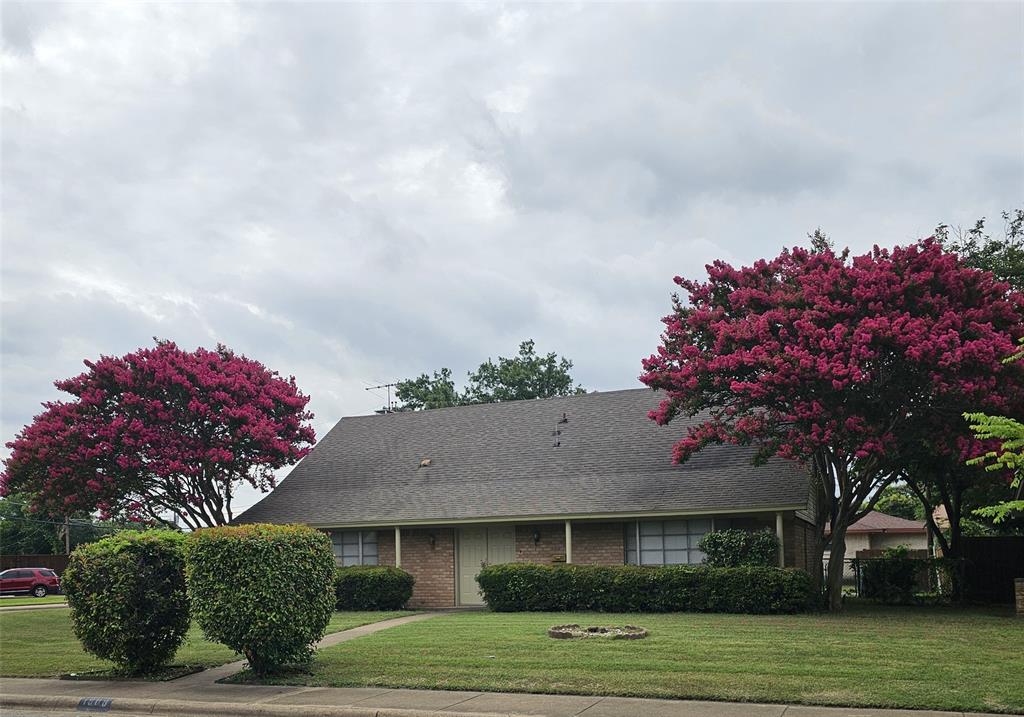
[(608, 632)]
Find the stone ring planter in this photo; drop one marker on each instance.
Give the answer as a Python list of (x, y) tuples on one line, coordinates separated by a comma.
[(570, 632)]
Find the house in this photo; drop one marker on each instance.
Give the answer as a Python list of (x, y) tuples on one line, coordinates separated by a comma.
[(878, 531), (583, 479)]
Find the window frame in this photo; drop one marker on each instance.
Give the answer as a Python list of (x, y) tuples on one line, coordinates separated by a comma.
[(635, 533), (338, 544)]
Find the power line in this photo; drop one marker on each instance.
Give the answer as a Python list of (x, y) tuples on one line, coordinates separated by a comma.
[(77, 523)]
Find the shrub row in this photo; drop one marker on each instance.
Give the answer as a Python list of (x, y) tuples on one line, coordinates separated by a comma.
[(372, 588), (515, 587), (266, 591)]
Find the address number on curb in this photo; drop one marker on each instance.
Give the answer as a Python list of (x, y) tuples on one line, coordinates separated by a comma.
[(94, 704)]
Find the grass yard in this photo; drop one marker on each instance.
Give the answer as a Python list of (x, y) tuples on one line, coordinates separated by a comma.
[(40, 643), (885, 657), (17, 601)]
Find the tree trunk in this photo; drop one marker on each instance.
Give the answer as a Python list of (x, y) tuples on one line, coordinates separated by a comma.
[(816, 564), (954, 510), (836, 564)]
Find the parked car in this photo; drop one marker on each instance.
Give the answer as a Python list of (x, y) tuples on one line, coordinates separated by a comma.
[(34, 581)]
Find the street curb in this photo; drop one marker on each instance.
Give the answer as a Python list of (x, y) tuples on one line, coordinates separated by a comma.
[(220, 709)]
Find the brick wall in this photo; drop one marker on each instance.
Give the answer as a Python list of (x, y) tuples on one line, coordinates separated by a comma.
[(598, 543), (797, 541), (548, 549), (386, 546), (432, 566)]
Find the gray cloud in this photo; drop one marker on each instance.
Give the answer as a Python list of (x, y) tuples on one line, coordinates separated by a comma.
[(356, 193)]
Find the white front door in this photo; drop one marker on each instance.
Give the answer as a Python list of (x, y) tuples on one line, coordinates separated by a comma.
[(479, 546)]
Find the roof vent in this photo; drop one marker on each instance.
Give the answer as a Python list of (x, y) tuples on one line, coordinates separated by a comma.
[(564, 419), (425, 463)]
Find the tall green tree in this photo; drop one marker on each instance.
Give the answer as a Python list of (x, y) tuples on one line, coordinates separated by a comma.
[(523, 376), (977, 248), (899, 500), (23, 532)]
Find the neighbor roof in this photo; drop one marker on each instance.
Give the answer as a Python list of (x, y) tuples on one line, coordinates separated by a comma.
[(500, 460), (875, 522)]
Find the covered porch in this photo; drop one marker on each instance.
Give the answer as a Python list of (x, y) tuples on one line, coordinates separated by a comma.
[(446, 558)]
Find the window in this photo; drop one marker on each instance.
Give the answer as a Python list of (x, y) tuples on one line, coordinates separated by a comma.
[(665, 542), (355, 547), (47, 573)]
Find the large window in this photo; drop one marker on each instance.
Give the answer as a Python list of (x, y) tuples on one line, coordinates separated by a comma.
[(665, 542), (355, 547)]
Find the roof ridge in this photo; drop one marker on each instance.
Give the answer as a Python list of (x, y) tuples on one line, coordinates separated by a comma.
[(494, 404)]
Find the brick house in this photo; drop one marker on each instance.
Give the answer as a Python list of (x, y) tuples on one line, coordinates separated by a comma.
[(584, 479)]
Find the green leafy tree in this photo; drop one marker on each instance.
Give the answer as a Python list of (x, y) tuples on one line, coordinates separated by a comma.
[(425, 391), (523, 376), (1008, 458), (23, 532), (1003, 256), (899, 500)]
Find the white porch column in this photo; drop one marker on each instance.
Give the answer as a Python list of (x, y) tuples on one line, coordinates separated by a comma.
[(568, 541), (782, 545), (398, 547)]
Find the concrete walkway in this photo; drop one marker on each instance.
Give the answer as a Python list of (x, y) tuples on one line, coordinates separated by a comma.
[(219, 673), (200, 694)]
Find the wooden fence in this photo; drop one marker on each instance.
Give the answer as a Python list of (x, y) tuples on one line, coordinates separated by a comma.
[(57, 563), (990, 565)]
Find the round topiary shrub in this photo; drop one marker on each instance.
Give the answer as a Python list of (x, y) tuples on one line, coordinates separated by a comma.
[(128, 599), (266, 591), (377, 587)]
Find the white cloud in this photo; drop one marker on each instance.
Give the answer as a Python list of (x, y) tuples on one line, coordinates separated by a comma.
[(354, 193)]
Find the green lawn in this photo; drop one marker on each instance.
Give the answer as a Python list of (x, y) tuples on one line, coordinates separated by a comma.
[(40, 643), (885, 657), (16, 601)]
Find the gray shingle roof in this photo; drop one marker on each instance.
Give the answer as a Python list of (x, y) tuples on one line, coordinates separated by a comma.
[(499, 460)]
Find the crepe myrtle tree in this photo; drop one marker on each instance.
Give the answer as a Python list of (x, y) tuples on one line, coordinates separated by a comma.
[(826, 359), (160, 432)]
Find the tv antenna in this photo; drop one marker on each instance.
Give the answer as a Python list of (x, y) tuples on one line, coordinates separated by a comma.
[(390, 408)]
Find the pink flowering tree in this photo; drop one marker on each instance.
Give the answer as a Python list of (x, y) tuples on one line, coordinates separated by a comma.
[(160, 432), (831, 361)]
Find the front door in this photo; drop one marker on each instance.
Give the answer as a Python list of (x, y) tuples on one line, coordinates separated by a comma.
[(479, 546)]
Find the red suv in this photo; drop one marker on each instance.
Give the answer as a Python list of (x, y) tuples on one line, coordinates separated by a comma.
[(37, 581)]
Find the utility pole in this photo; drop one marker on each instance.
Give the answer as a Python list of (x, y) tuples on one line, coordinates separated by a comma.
[(67, 535)]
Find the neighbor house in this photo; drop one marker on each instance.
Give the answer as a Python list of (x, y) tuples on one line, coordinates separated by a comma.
[(583, 479), (877, 531)]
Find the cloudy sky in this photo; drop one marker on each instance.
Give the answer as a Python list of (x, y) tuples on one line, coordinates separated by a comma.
[(359, 193)]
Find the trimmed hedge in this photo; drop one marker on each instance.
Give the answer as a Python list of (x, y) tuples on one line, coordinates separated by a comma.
[(515, 587), (733, 548), (127, 598), (266, 591), (365, 587), (891, 578)]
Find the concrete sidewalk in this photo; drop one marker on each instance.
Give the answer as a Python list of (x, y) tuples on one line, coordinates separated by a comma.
[(173, 698)]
